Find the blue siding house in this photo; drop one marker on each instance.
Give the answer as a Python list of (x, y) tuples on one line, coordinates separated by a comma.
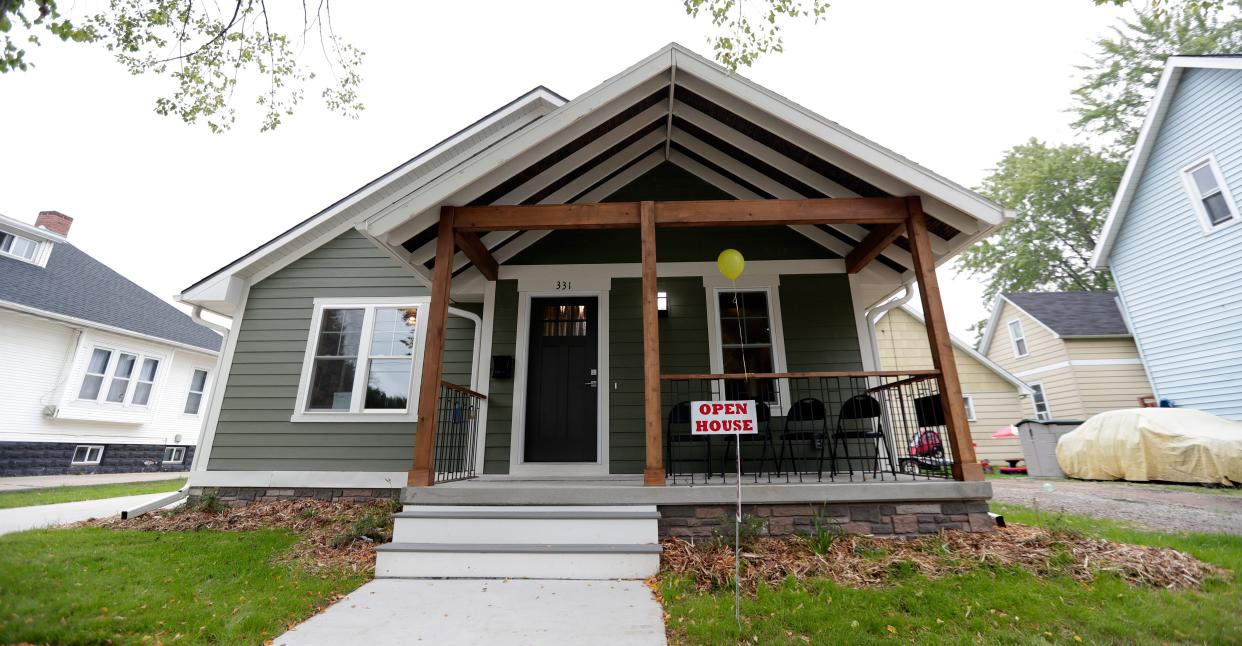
[(1172, 239)]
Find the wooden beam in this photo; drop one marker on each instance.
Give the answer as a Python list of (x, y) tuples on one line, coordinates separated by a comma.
[(725, 213), (707, 213), (871, 246), (423, 473), (478, 254), (653, 474), (534, 217), (965, 466)]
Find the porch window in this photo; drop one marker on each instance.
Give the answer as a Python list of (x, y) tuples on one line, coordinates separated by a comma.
[(361, 359), (126, 378), (198, 385), (746, 343), (1018, 338), (1208, 194), (1042, 412)]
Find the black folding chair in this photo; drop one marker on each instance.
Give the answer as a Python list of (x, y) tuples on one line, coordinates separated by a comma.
[(763, 415), (679, 415), (805, 421), (861, 408)]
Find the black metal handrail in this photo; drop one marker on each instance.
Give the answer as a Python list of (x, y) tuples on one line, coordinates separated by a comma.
[(457, 432)]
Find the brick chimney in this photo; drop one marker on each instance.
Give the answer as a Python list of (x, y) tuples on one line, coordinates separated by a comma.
[(54, 221)]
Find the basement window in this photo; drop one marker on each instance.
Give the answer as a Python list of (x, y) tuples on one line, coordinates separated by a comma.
[(87, 454), (1209, 195), (174, 454)]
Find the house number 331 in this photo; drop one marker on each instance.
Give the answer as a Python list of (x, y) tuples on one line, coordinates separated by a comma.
[(564, 285)]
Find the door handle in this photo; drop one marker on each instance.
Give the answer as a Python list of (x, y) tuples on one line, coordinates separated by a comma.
[(593, 383)]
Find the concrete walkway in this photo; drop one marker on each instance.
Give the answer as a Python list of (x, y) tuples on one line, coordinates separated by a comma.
[(462, 612), (23, 518), (21, 483)]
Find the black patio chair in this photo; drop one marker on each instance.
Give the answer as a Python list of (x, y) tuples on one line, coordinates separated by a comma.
[(805, 421), (763, 415), (679, 415), (861, 408)]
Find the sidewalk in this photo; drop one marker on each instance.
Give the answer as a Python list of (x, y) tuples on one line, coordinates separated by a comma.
[(22, 518), (21, 483), (463, 612)]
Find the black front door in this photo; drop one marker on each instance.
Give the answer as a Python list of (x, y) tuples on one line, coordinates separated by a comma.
[(562, 380)]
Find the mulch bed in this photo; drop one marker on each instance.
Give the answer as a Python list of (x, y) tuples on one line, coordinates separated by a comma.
[(861, 561), (329, 530)]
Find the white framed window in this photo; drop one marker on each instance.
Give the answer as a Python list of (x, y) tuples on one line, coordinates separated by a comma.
[(174, 454), (119, 377), (87, 454), (1209, 195), (1042, 412), (18, 247), (748, 338), (362, 360), (198, 385), (969, 402), (1018, 338)]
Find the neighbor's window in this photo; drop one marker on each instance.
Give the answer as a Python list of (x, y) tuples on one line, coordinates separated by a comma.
[(363, 359), (174, 454), (198, 384), (746, 343), (120, 377), (84, 454), (969, 402), (1208, 194), (17, 246), (1018, 338), (1041, 403)]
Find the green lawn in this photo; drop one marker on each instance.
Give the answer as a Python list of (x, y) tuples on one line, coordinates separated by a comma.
[(1000, 605), (52, 495), (92, 585)]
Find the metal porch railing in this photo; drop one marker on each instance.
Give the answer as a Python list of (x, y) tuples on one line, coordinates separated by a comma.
[(457, 432)]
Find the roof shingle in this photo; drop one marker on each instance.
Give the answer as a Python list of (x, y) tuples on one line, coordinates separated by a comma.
[(1072, 314)]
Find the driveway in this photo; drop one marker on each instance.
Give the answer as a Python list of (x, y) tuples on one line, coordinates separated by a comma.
[(513, 612), (1164, 508), (23, 518)]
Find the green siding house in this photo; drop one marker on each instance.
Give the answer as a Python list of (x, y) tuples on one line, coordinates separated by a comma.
[(522, 314)]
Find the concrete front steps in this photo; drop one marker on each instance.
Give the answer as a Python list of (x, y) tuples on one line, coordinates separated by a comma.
[(522, 542)]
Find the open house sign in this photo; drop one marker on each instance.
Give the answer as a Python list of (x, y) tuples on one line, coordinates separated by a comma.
[(723, 418)]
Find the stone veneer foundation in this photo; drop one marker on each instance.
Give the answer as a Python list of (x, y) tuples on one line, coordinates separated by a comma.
[(241, 496), (694, 522)]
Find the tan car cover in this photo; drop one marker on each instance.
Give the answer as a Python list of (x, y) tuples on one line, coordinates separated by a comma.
[(1166, 444)]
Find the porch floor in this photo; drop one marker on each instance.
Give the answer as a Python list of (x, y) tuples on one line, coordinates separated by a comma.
[(629, 490)]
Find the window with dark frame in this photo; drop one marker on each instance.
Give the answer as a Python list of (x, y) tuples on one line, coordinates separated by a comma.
[(746, 344), (1042, 412)]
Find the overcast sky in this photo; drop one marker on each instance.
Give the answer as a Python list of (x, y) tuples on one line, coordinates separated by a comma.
[(950, 85)]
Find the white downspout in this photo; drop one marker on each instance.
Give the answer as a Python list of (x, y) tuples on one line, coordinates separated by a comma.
[(874, 314), (196, 313)]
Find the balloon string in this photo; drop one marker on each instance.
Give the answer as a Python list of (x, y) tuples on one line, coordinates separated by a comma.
[(737, 519)]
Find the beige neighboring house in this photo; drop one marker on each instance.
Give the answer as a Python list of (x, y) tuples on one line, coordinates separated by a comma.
[(994, 397), (1073, 349)]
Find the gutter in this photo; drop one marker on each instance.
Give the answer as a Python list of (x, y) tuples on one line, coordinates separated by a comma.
[(874, 314)]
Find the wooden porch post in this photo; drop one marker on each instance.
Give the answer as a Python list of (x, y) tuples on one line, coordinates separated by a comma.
[(965, 466), (653, 474), (423, 473)]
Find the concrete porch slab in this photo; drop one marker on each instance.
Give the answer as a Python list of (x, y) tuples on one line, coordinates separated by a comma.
[(461, 612)]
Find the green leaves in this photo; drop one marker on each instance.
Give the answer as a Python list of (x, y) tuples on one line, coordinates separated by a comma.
[(1061, 194), (750, 30)]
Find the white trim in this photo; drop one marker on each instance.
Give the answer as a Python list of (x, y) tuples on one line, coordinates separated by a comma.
[(483, 370), (1196, 198), (969, 401), (1012, 378), (985, 344), (1025, 350), (1037, 389), (517, 431), (1160, 104), (224, 367), (1128, 361), (867, 348), (73, 320), (73, 394), (300, 479), (73, 462), (189, 390), (177, 451), (770, 286)]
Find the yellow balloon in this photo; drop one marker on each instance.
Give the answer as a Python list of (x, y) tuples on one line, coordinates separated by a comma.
[(730, 263)]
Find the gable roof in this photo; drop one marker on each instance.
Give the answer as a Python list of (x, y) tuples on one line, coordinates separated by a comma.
[(973, 353), (673, 106), (1156, 112), (1066, 315), (74, 285)]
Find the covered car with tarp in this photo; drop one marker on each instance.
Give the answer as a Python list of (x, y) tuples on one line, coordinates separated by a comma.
[(1154, 444)]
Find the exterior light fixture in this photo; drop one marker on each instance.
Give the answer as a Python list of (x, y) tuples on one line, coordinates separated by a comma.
[(662, 304)]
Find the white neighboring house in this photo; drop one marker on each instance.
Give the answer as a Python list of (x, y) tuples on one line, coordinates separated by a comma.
[(97, 375)]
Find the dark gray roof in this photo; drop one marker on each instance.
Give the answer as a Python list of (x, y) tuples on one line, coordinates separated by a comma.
[(75, 284), (1074, 313)]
